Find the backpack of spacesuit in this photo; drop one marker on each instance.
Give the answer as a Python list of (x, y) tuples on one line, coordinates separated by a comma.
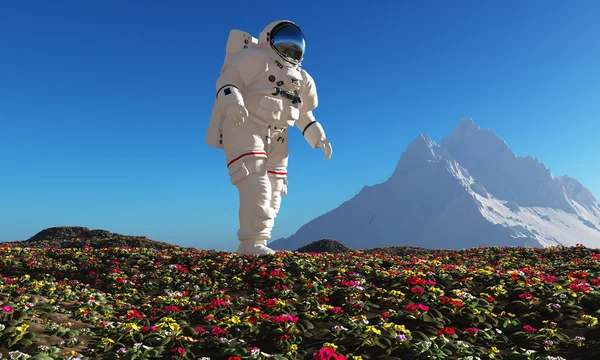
[(237, 41)]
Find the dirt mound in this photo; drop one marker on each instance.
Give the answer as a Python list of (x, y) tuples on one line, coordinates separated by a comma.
[(324, 245), (79, 236)]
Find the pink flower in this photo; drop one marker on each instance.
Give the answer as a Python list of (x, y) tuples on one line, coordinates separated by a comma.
[(472, 330), (327, 354), (526, 296), (179, 350), (529, 329), (218, 331), (7, 309), (200, 329)]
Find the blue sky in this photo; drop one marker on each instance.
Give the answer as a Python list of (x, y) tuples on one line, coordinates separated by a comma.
[(104, 105)]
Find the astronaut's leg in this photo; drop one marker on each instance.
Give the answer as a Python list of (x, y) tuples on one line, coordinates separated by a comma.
[(277, 163), (247, 163)]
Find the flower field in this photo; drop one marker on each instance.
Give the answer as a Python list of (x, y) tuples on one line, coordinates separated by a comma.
[(181, 303)]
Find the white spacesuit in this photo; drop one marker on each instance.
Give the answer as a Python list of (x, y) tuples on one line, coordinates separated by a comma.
[(262, 91)]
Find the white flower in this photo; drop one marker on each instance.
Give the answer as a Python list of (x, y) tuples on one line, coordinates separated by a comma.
[(18, 355), (462, 344)]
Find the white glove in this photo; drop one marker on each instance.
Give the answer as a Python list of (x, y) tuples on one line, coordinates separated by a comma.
[(325, 145), (236, 113)]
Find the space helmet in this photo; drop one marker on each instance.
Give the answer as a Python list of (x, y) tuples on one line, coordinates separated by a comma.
[(286, 39)]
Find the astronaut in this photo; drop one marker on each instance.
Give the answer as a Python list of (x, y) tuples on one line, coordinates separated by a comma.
[(261, 92)]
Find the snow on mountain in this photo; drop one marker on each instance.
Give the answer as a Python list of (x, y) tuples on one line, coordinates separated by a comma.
[(470, 190)]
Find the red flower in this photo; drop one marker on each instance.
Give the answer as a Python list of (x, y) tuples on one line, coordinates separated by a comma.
[(417, 290), (414, 280), (446, 331), (458, 303)]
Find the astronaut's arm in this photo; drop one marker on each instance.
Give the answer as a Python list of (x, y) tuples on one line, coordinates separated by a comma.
[(238, 71), (311, 129), (228, 87)]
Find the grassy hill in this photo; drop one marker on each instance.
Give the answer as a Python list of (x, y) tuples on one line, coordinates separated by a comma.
[(59, 302)]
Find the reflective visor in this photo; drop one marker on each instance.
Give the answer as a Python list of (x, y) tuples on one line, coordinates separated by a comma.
[(289, 41)]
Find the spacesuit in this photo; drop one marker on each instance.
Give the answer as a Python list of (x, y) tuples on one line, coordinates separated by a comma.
[(261, 92)]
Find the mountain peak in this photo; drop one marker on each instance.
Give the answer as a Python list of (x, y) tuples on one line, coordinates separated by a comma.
[(466, 131), (419, 152), (505, 175), (466, 125)]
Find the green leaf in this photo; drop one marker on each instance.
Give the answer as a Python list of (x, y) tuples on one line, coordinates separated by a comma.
[(421, 335), (26, 342), (307, 324), (427, 317), (41, 357)]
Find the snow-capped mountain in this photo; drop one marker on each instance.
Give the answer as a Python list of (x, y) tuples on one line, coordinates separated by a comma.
[(470, 190)]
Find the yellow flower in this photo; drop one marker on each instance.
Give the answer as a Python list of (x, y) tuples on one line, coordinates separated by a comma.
[(235, 319), (484, 272), (592, 321), (373, 329), (22, 328), (402, 329), (493, 351), (356, 357), (330, 345), (396, 293), (174, 326), (187, 338), (437, 291), (132, 326), (293, 347), (107, 341)]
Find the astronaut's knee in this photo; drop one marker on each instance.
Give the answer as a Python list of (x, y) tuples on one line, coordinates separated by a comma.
[(263, 217), (278, 184), (278, 189)]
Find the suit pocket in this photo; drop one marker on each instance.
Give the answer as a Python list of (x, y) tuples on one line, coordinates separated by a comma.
[(270, 108), (237, 172)]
